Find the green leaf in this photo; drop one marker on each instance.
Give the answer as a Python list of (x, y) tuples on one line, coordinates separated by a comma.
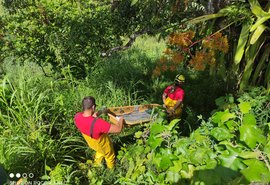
[(249, 119), (133, 2), (243, 38), (267, 149), (251, 135), (257, 33), (257, 9), (138, 134), (172, 176), (165, 162), (231, 161), (261, 64), (226, 116), (259, 22), (221, 134), (172, 124), (47, 168), (244, 107), (231, 124), (229, 156), (154, 142), (204, 18), (256, 171), (249, 154), (250, 55), (217, 117), (157, 129)]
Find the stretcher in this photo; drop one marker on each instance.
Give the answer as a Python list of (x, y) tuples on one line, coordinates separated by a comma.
[(132, 115)]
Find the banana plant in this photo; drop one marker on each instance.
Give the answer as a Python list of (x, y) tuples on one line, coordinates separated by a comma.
[(251, 56), (256, 42)]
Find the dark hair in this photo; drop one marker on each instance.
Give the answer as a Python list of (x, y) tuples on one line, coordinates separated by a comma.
[(88, 102)]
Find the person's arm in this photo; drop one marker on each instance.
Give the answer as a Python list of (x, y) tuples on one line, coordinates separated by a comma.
[(164, 96), (117, 128), (178, 103)]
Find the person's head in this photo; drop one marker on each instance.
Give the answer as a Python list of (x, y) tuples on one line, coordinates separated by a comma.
[(179, 79), (88, 102)]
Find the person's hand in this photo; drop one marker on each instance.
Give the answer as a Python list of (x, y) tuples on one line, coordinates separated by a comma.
[(119, 117), (171, 111), (95, 114)]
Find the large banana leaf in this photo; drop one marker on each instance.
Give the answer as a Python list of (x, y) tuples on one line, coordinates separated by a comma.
[(259, 22), (261, 64), (257, 33), (250, 55), (242, 43)]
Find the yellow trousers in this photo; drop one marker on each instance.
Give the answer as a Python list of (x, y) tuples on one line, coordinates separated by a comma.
[(104, 149), (169, 103)]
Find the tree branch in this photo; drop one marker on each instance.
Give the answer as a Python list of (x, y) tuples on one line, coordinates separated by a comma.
[(131, 41)]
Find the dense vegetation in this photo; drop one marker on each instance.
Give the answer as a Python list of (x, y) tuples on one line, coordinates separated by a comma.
[(53, 53)]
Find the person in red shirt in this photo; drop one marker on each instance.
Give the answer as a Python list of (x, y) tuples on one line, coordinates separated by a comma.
[(173, 97), (95, 131)]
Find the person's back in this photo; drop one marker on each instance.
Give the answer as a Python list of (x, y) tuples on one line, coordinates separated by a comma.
[(95, 131)]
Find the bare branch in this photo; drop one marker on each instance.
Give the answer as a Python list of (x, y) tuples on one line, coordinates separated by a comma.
[(132, 39)]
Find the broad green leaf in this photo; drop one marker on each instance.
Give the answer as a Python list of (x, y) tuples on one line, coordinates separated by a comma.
[(243, 38), (197, 136), (231, 161), (257, 33), (217, 117), (244, 107), (156, 129), (177, 165), (225, 117), (188, 173), (231, 124), (199, 156), (154, 142), (229, 156), (165, 162), (172, 176), (251, 135), (181, 146), (249, 119), (256, 171), (249, 154), (221, 134)]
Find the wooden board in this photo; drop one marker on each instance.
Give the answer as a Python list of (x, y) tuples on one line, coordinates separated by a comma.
[(135, 114)]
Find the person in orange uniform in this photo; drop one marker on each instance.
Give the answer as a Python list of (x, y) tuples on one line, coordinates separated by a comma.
[(95, 131), (173, 97)]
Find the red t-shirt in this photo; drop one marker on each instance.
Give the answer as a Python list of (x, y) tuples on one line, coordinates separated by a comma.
[(178, 94), (84, 125)]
